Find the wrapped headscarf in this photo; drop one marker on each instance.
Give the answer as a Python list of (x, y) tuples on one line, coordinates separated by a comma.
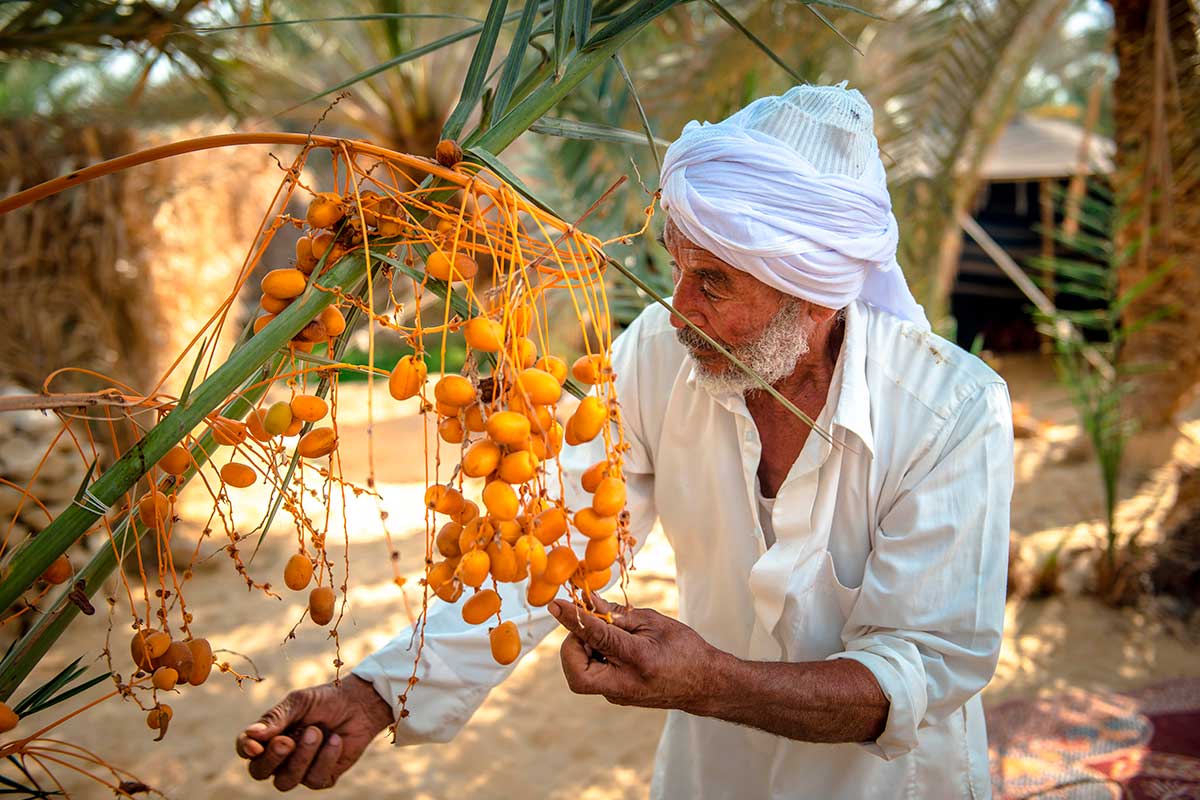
[(791, 190)]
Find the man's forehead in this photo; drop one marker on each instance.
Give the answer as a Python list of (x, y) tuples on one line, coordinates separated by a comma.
[(697, 258)]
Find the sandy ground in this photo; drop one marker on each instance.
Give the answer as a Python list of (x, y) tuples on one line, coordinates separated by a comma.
[(532, 737)]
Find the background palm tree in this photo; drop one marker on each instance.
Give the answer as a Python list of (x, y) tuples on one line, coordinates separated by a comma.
[(1157, 121), (950, 79)]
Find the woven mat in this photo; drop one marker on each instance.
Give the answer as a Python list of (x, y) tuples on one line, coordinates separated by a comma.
[(1080, 745)]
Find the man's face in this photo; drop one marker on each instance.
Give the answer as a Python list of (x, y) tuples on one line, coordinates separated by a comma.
[(766, 329)]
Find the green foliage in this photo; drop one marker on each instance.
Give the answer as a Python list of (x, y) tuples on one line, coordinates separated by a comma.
[(1088, 342), (57, 689), (88, 33)]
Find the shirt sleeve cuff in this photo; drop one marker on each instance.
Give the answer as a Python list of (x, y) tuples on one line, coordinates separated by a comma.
[(906, 697), (444, 700)]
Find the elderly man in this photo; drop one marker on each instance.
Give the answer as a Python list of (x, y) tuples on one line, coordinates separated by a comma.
[(841, 588)]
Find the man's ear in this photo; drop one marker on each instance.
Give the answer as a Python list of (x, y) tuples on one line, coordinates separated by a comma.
[(821, 314)]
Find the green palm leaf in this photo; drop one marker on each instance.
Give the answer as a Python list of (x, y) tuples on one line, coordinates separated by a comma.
[(403, 58), (591, 131), (516, 55), (477, 70), (278, 23), (562, 18)]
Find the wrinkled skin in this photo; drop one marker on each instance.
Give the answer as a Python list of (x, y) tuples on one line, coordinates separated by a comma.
[(734, 308), (315, 734), (649, 659), (644, 658), (726, 303)]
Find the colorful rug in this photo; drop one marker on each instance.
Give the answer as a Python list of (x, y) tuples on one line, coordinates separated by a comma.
[(1082, 745)]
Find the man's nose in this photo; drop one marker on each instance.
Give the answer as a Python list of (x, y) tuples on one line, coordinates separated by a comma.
[(684, 302)]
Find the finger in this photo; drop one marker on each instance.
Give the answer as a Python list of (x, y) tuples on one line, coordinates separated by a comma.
[(324, 772), (609, 639), (598, 603), (623, 617), (628, 618), (276, 751), (277, 719), (296, 767), (578, 667), (247, 747)]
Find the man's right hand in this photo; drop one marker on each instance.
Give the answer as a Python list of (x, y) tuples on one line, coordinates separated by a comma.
[(315, 734)]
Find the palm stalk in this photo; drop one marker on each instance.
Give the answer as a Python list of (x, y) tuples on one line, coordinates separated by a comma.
[(32, 558), (527, 99)]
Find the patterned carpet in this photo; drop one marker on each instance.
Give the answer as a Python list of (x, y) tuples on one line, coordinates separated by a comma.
[(1082, 745)]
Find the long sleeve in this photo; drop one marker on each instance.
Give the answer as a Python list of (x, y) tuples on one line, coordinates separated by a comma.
[(456, 669), (929, 617)]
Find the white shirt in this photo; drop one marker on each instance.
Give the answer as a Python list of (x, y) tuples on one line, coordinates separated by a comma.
[(766, 512), (891, 549)]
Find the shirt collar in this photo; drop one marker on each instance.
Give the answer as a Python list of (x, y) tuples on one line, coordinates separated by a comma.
[(853, 411)]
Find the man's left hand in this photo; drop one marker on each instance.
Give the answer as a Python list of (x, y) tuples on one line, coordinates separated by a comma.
[(641, 658)]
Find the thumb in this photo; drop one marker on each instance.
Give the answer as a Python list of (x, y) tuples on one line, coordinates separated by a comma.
[(279, 718)]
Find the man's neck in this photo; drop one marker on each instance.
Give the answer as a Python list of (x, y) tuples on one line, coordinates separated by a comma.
[(782, 434)]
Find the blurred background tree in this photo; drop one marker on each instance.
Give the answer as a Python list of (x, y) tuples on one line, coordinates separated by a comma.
[(1156, 109)]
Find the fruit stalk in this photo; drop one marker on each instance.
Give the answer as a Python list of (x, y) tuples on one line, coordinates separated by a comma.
[(32, 558)]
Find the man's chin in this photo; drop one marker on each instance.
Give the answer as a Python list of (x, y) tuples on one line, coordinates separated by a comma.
[(709, 362)]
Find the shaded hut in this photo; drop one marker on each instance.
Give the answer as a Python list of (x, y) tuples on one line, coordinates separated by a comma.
[(1030, 164)]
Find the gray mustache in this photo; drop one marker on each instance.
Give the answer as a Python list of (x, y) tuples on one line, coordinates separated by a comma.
[(694, 341)]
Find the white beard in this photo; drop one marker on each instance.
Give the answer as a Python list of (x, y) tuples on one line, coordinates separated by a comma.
[(773, 355)]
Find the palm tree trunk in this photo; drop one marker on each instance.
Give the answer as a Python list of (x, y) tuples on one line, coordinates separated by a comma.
[(1157, 114)]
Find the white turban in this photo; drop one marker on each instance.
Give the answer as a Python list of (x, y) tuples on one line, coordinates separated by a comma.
[(791, 190)]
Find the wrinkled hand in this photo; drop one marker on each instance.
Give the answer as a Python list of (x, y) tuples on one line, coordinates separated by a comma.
[(641, 659), (315, 734)]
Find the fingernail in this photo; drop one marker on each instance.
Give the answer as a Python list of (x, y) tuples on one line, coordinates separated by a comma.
[(281, 747), (311, 735), (257, 727), (335, 740)]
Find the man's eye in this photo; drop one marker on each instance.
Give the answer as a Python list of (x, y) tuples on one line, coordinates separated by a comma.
[(708, 293)]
